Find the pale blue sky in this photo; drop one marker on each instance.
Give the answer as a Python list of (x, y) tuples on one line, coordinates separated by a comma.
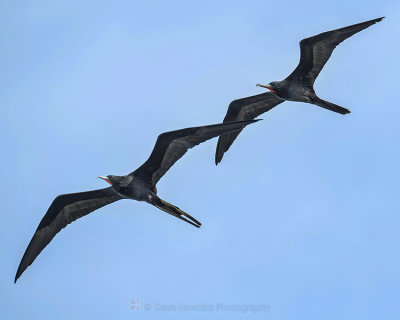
[(302, 215)]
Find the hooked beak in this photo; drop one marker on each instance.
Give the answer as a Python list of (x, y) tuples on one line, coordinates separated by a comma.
[(105, 179), (265, 86)]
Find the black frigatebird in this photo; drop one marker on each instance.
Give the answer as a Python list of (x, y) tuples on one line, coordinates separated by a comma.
[(298, 86), (138, 185)]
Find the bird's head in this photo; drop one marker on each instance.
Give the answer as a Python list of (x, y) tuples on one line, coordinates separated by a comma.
[(112, 180), (272, 86)]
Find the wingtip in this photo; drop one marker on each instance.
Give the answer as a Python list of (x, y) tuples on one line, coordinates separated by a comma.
[(218, 152), (254, 120), (247, 122), (346, 111), (18, 274)]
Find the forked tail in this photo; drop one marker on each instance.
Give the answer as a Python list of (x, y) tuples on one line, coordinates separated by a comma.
[(175, 211), (330, 106)]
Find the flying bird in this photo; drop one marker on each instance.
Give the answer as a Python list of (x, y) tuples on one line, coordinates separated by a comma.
[(139, 185), (298, 86)]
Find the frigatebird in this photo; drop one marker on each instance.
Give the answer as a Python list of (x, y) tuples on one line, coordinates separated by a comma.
[(298, 86), (138, 185)]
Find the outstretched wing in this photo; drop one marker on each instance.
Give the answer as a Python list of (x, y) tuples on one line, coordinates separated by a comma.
[(244, 109), (65, 209), (171, 146), (316, 50)]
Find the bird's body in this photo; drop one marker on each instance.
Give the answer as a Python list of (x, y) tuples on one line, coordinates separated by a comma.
[(139, 185), (298, 86), (290, 91), (130, 188)]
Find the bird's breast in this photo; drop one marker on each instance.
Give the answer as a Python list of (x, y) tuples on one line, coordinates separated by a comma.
[(134, 191)]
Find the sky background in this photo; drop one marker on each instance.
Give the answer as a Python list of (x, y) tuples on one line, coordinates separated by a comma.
[(301, 216)]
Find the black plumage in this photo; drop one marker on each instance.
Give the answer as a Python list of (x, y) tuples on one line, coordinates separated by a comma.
[(298, 86), (139, 185), (245, 109)]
